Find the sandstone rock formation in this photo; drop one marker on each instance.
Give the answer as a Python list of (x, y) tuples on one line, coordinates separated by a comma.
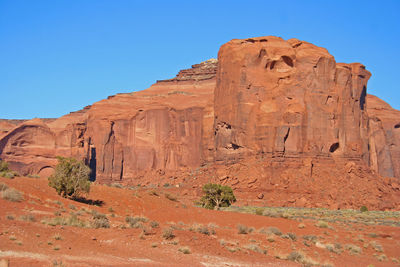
[(166, 127), (7, 125), (288, 98), (384, 137), (272, 118), (32, 146)]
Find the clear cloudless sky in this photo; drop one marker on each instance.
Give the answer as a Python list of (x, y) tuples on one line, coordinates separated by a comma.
[(59, 56)]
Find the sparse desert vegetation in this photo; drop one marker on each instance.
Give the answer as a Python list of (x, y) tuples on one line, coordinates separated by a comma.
[(71, 178), (338, 236), (217, 196), (5, 171), (324, 216), (12, 195)]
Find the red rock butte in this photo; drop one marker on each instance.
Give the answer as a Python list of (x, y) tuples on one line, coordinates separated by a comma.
[(279, 121)]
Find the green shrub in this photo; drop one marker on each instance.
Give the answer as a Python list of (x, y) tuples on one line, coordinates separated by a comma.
[(216, 195), (71, 178), (363, 209)]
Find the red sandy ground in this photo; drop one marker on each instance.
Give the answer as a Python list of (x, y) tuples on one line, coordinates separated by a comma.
[(117, 246)]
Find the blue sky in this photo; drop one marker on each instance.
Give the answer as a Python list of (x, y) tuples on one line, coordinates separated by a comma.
[(59, 56)]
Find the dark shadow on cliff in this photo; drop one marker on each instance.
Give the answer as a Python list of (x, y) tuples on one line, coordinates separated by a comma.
[(92, 165), (84, 200)]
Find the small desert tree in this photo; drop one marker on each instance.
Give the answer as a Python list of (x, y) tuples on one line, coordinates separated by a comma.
[(216, 195), (71, 178)]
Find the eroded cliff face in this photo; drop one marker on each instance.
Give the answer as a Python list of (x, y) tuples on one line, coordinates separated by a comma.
[(279, 121), (279, 98), (166, 127), (31, 146), (384, 137)]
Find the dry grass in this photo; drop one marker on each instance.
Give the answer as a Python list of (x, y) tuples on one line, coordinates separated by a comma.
[(255, 248), (136, 221), (184, 250), (244, 230), (100, 220), (353, 249), (11, 194), (154, 224), (390, 218), (322, 224), (300, 257), (27, 218), (57, 236), (69, 221), (378, 247), (202, 229), (274, 230), (3, 187), (168, 233)]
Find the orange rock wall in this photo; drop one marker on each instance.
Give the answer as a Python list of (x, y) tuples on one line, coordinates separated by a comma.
[(290, 97)]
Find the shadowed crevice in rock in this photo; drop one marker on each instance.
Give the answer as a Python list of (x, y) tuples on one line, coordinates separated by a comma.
[(93, 164), (362, 98), (288, 61), (333, 147)]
